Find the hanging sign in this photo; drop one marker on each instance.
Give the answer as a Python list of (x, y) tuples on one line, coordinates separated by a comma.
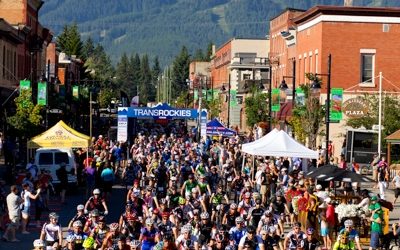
[(75, 92), (25, 85), (300, 98), (203, 123), (275, 102), (122, 132), (42, 94), (336, 104), (233, 99), (355, 107)]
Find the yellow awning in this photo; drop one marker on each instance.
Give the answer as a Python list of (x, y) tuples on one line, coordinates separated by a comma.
[(60, 136)]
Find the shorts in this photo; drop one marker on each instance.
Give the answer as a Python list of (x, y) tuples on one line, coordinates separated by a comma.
[(374, 243), (263, 189), (25, 210), (324, 231), (397, 192), (14, 221)]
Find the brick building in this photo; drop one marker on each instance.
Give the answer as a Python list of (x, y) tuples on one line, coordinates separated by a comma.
[(235, 64), (361, 40)]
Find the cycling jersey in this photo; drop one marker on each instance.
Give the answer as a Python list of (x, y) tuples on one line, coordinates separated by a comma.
[(51, 231), (237, 234), (217, 198), (253, 244), (296, 240), (79, 239)]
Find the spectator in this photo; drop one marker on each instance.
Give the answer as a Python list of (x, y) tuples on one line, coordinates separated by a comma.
[(27, 196), (62, 176), (13, 206)]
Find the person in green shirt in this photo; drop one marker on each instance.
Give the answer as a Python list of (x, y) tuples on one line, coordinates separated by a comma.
[(188, 185), (376, 223), (344, 243), (203, 187)]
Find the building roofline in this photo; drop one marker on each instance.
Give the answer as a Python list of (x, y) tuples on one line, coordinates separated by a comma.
[(240, 38), (285, 10), (345, 11)]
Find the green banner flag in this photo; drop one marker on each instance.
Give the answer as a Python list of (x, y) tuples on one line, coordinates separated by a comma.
[(275, 103), (336, 104), (195, 94), (42, 94), (300, 99), (75, 92), (233, 99), (85, 92), (24, 85)]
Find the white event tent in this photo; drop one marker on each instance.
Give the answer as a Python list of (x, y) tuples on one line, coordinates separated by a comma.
[(278, 143)]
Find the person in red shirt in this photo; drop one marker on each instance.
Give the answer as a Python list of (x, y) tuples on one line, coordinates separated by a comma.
[(290, 193), (330, 216)]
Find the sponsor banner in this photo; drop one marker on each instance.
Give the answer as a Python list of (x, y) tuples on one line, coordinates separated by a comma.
[(275, 103), (300, 99), (122, 132), (42, 94), (75, 92), (203, 123), (161, 111), (336, 104), (25, 85)]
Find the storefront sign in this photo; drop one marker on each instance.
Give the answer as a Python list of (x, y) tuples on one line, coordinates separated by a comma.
[(355, 108)]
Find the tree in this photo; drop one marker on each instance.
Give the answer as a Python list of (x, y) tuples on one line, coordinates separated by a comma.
[(105, 96), (209, 52), (199, 55), (123, 74), (135, 68), (27, 119), (146, 87), (87, 49), (70, 41), (256, 108), (100, 67), (308, 119), (180, 72)]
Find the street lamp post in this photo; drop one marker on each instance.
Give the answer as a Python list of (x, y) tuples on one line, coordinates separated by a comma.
[(284, 86), (270, 100), (223, 89), (327, 103)]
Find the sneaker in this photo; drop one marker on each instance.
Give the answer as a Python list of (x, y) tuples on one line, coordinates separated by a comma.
[(25, 232)]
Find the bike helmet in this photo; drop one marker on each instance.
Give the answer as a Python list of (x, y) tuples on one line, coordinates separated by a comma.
[(233, 206), (186, 228), (239, 219), (310, 230), (80, 207), (348, 223), (96, 191), (77, 223), (88, 243), (135, 243), (95, 213), (114, 226), (38, 243), (149, 222), (53, 215), (182, 201), (204, 215), (70, 238), (165, 214)]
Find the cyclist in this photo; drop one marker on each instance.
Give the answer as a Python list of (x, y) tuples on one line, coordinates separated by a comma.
[(149, 235), (187, 240), (51, 232), (352, 233), (344, 243), (166, 227), (311, 242), (237, 232), (80, 216), (111, 238), (77, 236), (255, 213), (251, 240), (203, 186), (230, 216), (295, 238), (92, 221), (96, 202), (206, 228), (188, 185), (216, 201), (99, 232)]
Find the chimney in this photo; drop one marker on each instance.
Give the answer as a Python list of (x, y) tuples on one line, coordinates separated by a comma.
[(348, 3)]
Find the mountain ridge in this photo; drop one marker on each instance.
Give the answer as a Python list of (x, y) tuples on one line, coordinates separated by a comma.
[(161, 27)]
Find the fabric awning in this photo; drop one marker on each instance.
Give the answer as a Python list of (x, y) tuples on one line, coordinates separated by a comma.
[(60, 136)]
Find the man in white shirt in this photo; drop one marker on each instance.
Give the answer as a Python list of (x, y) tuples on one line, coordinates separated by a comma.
[(13, 203), (396, 181)]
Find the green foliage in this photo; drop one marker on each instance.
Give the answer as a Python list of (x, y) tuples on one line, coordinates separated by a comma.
[(27, 119), (214, 107), (105, 96), (180, 72), (99, 65), (146, 87), (256, 108), (308, 119), (162, 27), (69, 41)]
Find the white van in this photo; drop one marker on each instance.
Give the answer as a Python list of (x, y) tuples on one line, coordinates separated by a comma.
[(49, 159)]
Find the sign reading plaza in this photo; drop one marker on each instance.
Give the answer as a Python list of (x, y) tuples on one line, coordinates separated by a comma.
[(161, 111)]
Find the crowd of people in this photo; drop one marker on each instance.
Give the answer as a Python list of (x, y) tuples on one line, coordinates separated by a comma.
[(188, 194)]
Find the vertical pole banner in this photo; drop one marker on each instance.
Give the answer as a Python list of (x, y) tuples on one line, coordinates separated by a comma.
[(203, 123), (196, 94), (75, 92), (122, 132), (24, 85), (233, 98), (300, 99), (42, 94), (336, 104), (276, 104)]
